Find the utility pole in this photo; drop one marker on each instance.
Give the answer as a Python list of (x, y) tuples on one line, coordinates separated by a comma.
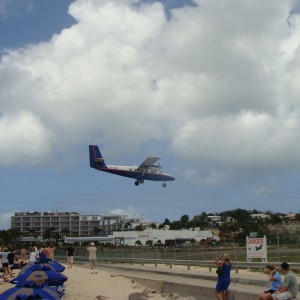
[(277, 232)]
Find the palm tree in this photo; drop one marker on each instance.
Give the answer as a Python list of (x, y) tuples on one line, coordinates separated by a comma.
[(48, 233)]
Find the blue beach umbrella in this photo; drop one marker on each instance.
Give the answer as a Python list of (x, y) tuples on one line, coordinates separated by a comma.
[(51, 265), (40, 277), (54, 264), (32, 293)]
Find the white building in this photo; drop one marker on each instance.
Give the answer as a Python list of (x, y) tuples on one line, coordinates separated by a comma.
[(131, 237), (260, 216), (68, 223)]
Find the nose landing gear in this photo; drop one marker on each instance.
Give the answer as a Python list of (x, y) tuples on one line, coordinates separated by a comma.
[(164, 184)]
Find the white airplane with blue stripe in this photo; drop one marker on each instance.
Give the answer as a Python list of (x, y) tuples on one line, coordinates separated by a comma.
[(146, 171)]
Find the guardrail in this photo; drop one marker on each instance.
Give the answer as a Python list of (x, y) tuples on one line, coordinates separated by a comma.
[(189, 263)]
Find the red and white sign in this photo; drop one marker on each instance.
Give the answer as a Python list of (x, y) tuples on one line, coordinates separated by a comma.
[(256, 248)]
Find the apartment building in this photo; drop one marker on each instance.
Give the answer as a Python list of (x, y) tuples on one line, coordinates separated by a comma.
[(67, 223)]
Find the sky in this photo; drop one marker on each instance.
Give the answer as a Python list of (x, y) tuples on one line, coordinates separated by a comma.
[(210, 86)]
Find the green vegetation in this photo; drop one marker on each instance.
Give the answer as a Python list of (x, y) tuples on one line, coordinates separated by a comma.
[(236, 225), (232, 226)]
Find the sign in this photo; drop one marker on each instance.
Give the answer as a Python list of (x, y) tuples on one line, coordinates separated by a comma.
[(256, 248), (253, 234)]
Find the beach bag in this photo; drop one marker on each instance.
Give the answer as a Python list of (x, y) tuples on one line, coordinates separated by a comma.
[(220, 270)]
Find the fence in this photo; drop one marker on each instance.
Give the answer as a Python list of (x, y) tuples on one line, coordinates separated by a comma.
[(192, 254)]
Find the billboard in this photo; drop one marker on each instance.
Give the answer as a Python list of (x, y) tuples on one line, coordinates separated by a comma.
[(256, 248)]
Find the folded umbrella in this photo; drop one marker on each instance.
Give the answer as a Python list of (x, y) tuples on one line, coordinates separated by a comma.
[(38, 265), (40, 277), (28, 292)]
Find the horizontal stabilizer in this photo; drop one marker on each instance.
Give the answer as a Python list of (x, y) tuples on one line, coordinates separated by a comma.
[(99, 160)]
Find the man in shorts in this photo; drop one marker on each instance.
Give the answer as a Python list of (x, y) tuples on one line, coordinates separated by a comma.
[(92, 250), (70, 256), (3, 253), (289, 288)]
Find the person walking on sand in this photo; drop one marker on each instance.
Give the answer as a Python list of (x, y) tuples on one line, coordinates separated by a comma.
[(4, 253), (44, 252), (32, 256), (223, 277), (70, 256), (51, 249), (275, 279), (11, 257), (92, 255)]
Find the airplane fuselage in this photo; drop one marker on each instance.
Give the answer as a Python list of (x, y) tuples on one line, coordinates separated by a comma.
[(138, 173)]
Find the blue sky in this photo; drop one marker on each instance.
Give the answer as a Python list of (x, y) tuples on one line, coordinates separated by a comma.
[(210, 86)]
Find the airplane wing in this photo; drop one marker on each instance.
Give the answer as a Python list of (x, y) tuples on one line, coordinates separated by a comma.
[(150, 161)]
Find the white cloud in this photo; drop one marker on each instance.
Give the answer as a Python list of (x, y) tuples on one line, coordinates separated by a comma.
[(262, 191), (11, 7), (5, 220), (131, 212), (220, 81)]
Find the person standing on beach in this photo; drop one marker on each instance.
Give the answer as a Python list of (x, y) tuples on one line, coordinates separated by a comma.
[(11, 257), (223, 277), (92, 255), (32, 256), (44, 252), (70, 256), (51, 249), (3, 253)]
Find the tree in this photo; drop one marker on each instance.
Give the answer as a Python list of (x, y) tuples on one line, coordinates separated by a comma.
[(153, 226), (138, 228), (149, 243), (65, 231), (127, 225), (167, 222), (49, 233), (184, 221), (32, 232), (9, 236), (241, 215), (176, 225), (97, 230)]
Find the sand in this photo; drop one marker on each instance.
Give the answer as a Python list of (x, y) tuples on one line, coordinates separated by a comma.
[(83, 283), (103, 285)]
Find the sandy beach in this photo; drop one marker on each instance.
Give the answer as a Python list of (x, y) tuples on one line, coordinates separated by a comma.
[(83, 283), (103, 285)]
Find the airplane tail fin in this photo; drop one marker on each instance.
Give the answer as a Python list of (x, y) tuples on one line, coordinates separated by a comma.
[(96, 159)]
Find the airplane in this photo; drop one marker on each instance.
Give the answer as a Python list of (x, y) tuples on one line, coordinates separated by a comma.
[(146, 171)]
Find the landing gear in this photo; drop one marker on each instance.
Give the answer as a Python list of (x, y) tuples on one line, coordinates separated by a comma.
[(139, 182), (164, 184)]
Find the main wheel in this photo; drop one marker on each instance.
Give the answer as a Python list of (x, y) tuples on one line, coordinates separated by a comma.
[(164, 184), (141, 181), (136, 183)]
